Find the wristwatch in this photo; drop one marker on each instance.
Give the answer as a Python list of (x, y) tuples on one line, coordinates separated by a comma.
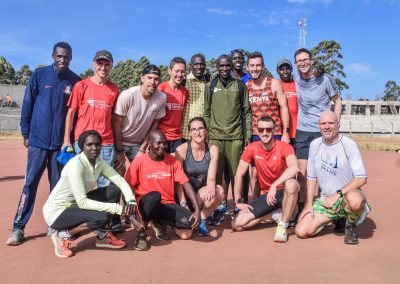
[(339, 192)]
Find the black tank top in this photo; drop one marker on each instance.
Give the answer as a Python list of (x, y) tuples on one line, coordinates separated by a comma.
[(197, 170)]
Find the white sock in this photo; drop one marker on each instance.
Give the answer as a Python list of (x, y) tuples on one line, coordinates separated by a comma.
[(64, 234)]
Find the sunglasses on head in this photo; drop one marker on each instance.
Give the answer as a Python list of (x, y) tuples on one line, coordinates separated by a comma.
[(268, 129)]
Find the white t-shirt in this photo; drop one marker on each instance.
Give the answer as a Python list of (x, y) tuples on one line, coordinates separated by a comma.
[(139, 114), (335, 165)]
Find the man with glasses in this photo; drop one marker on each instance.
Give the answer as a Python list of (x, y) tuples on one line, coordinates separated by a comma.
[(315, 94), (277, 167)]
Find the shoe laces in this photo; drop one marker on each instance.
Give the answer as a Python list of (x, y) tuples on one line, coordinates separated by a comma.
[(66, 244)]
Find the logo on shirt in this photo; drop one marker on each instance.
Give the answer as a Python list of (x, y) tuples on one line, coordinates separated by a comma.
[(98, 104), (291, 94), (262, 99), (329, 164), (174, 106), (67, 89), (274, 158), (258, 157), (159, 175), (216, 89), (48, 86), (111, 93)]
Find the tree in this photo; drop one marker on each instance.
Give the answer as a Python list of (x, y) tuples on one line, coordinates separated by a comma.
[(127, 74), (391, 92), (326, 55), (22, 76), (88, 73), (7, 72)]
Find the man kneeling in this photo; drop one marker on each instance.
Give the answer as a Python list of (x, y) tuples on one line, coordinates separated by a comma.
[(152, 177), (277, 167), (336, 165)]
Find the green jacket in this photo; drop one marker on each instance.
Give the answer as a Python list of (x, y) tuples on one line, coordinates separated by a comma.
[(223, 111)]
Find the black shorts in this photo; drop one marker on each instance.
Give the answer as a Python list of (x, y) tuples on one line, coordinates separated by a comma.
[(173, 144), (261, 207), (175, 215), (302, 143)]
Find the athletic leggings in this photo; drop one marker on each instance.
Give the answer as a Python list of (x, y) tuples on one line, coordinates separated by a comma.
[(73, 216), (150, 207)]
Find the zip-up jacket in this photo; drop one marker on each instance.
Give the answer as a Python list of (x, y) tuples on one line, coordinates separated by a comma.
[(223, 111), (45, 106)]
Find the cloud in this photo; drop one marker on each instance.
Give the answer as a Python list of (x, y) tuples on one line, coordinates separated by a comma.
[(285, 17), (359, 68), (394, 2), (310, 1), (223, 12)]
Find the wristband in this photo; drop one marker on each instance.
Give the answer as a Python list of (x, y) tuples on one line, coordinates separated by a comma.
[(340, 192), (132, 201)]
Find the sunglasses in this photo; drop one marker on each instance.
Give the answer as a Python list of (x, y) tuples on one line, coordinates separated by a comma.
[(268, 129)]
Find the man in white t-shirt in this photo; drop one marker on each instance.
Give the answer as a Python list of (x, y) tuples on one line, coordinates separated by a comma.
[(336, 165), (138, 110)]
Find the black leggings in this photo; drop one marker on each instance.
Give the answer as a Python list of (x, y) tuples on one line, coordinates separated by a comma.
[(73, 216), (150, 207), (261, 207)]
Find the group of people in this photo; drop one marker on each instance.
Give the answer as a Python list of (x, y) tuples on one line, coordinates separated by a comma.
[(188, 141)]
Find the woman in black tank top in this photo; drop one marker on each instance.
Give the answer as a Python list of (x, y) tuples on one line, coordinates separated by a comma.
[(200, 162)]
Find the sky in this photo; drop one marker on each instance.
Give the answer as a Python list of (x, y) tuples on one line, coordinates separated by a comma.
[(367, 30)]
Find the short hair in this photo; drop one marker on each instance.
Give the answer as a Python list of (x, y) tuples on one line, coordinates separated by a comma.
[(84, 135), (176, 60), (197, 118), (198, 55), (62, 44), (222, 57), (255, 54), (237, 51), (301, 50), (266, 118)]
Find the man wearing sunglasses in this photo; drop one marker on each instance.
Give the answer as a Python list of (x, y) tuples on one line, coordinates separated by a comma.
[(277, 168)]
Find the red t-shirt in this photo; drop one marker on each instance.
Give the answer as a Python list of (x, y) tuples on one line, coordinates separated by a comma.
[(291, 94), (94, 104), (264, 102), (148, 175), (269, 164), (176, 100)]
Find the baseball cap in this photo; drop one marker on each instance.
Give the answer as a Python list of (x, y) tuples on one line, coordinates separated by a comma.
[(103, 54), (283, 61), (151, 69)]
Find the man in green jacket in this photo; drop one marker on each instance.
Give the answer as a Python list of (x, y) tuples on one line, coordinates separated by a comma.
[(228, 116)]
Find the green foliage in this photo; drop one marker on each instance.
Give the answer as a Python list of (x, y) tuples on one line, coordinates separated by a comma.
[(7, 72), (327, 55), (88, 73), (22, 76), (392, 91)]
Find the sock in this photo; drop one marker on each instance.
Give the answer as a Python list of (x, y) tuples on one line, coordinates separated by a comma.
[(64, 234), (101, 234), (284, 224)]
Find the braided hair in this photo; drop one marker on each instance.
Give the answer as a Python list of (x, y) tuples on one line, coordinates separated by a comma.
[(86, 134)]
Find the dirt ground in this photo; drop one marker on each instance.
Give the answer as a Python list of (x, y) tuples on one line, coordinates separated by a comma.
[(224, 257)]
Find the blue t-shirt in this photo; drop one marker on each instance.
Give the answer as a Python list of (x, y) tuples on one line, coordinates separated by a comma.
[(313, 96), (245, 78)]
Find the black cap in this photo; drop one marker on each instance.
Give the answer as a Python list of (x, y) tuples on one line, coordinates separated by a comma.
[(151, 69), (103, 54)]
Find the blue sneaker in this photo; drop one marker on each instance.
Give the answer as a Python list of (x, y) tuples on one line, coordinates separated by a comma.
[(202, 230), (223, 207), (216, 218)]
